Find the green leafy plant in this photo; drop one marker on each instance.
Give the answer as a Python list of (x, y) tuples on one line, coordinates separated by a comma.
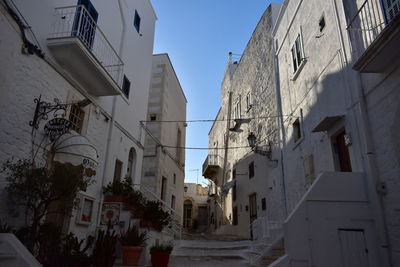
[(161, 248), (5, 228), (36, 189), (132, 237), (154, 216), (73, 251), (104, 251)]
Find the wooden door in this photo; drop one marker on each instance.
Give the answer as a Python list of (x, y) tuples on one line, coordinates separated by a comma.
[(343, 152)]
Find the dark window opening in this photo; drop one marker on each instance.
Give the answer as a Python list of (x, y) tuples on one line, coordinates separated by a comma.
[(321, 24), (163, 188), (126, 86), (173, 202), (251, 170), (235, 216), (117, 170), (263, 204), (174, 178), (136, 21), (153, 117), (296, 130)]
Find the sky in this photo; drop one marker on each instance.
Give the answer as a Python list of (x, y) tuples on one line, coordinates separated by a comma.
[(198, 35)]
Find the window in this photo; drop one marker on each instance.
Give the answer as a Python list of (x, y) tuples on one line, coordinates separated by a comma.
[(85, 22), (297, 54), (173, 202), (85, 212), (136, 21), (163, 188), (174, 178), (237, 109), (117, 170), (249, 104), (153, 117), (392, 9), (321, 24), (178, 146), (253, 206), (296, 130), (235, 216), (263, 204), (76, 116), (251, 170), (126, 86), (234, 187)]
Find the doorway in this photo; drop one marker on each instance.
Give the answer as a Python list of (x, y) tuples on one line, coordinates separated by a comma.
[(253, 211), (354, 249), (341, 152), (187, 214)]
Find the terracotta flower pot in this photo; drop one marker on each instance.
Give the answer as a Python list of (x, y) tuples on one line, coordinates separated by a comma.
[(160, 259), (131, 255), (114, 198)]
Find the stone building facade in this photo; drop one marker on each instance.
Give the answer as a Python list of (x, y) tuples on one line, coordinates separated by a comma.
[(164, 157), (248, 92), (334, 71), (104, 84)]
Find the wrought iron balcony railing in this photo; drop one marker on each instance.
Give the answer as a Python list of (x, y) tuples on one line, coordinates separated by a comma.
[(211, 164), (75, 21), (371, 18)]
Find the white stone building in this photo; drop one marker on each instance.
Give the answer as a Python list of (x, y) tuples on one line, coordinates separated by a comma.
[(164, 157), (97, 58), (335, 71)]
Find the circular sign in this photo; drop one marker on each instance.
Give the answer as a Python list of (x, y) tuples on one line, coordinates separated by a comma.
[(56, 127)]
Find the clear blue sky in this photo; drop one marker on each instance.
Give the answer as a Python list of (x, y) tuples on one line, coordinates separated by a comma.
[(198, 35)]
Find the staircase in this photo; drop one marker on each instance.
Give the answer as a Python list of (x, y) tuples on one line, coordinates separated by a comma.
[(271, 254), (215, 253), (14, 254)]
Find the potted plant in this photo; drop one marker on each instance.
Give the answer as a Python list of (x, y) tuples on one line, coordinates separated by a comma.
[(160, 254), (73, 253), (104, 250), (132, 242), (154, 216)]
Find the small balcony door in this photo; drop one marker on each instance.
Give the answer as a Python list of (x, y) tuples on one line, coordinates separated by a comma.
[(253, 211), (85, 22), (341, 151)]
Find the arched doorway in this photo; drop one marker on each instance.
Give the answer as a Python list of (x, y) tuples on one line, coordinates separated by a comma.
[(187, 214), (131, 166)]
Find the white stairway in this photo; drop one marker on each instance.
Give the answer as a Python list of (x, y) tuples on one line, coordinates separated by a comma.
[(14, 254), (204, 253)]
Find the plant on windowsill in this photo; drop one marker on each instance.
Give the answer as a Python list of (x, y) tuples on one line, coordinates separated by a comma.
[(160, 254), (133, 243)]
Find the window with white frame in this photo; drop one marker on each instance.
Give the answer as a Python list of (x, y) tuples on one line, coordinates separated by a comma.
[(85, 212), (297, 53), (77, 116)]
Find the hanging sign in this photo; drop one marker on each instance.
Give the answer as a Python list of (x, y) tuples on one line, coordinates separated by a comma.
[(56, 127)]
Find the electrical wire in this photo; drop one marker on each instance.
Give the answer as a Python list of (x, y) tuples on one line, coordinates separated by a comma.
[(216, 120)]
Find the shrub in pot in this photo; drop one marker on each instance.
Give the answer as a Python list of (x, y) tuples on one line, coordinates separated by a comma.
[(133, 243), (160, 254), (104, 251)]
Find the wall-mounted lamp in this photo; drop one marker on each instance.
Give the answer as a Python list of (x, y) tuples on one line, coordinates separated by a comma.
[(252, 139), (185, 188)]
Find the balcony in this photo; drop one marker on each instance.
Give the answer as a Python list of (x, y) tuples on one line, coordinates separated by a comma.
[(211, 166), (81, 48), (375, 35)]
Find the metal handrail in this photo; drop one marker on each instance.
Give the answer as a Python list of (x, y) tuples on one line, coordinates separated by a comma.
[(366, 25), (177, 219)]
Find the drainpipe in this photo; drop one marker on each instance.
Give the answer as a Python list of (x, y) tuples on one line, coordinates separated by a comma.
[(282, 140), (112, 119), (373, 179)]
